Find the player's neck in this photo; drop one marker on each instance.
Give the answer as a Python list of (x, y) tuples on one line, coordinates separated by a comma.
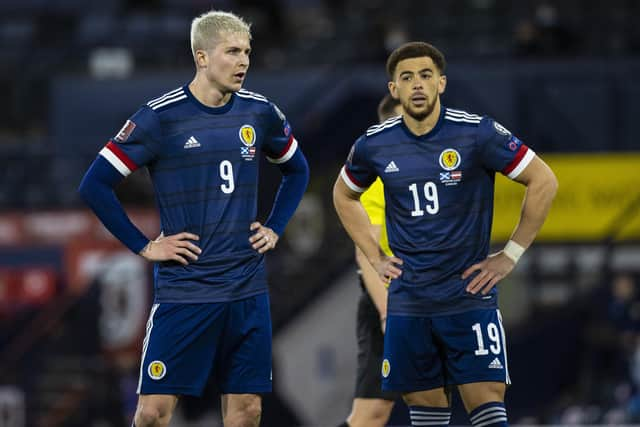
[(208, 94), (424, 126)]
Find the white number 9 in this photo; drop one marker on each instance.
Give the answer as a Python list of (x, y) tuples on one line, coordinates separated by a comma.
[(226, 173)]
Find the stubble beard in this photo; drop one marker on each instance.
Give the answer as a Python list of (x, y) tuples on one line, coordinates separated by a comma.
[(422, 114)]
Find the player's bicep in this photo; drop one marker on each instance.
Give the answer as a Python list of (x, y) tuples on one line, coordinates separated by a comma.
[(536, 170)]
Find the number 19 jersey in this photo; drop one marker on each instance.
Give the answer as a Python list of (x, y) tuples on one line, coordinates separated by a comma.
[(439, 190)]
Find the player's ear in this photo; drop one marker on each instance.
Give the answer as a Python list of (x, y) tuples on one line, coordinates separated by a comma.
[(393, 89), (442, 84), (201, 58)]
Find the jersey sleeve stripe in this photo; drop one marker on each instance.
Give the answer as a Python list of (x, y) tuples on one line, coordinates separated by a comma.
[(286, 153), (118, 159), (521, 161), (351, 182)]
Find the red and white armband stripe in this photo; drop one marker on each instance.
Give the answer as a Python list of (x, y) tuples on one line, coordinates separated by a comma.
[(118, 159), (287, 153), (351, 182), (520, 161)]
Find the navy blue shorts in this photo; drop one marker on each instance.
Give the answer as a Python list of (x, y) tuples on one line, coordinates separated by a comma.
[(423, 353), (186, 343)]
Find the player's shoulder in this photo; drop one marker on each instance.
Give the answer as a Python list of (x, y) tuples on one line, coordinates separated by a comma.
[(381, 128), (462, 118), (167, 100), (259, 103)]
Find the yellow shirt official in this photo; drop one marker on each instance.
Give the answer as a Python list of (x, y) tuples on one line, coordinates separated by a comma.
[(373, 202)]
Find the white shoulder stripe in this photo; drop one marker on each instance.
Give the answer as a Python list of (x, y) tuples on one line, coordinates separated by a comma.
[(526, 159), (169, 101), (246, 96), (389, 120), (257, 95), (385, 125), (165, 96), (465, 116), (352, 185), (461, 113), (461, 119)]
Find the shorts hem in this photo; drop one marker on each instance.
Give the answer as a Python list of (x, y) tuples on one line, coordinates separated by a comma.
[(390, 396), (187, 391), (409, 388), (248, 389), (480, 380)]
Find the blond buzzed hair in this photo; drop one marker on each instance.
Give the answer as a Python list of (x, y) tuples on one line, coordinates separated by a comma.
[(206, 28)]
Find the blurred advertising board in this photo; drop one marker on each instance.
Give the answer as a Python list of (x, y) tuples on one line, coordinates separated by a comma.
[(598, 198)]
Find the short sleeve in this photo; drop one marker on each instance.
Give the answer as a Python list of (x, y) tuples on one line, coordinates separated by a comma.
[(280, 144), (135, 145), (501, 150), (357, 172)]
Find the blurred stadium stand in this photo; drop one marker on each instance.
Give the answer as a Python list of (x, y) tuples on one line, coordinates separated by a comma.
[(561, 75)]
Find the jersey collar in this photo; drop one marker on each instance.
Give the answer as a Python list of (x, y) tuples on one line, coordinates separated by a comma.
[(429, 134), (211, 110)]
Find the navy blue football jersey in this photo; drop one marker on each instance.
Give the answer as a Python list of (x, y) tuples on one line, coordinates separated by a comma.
[(439, 190), (203, 163)]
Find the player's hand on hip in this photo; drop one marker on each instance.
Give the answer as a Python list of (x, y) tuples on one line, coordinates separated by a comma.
[(490, 271), (264, 238), (177, 247), (388, 269)]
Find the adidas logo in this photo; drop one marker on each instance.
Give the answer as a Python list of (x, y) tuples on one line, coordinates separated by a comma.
[(391, 167), (495, 364), (191, 143)]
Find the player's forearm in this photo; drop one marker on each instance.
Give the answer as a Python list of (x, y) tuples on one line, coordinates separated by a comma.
[(535, 208), (96, 189), (295, 177), (355, 221), (375, 287)]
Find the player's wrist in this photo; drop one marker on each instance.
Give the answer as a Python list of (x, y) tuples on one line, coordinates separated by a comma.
[(145, 251), (513, 251)]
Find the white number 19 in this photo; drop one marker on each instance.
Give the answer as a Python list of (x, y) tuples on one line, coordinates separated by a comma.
[(430, 193), (494, 336)]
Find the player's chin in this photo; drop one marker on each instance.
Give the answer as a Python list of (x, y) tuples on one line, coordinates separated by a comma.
[(418, 113), (236, 84)]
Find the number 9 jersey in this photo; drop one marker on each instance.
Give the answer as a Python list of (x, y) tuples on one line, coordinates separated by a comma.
[(203, 163), (439, 190)]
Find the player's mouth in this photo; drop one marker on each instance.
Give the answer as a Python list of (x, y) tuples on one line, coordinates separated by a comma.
[(418, 99), (239, 76)]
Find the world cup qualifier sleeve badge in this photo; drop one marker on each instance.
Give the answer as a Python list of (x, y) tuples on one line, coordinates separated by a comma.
[(247, 136)]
